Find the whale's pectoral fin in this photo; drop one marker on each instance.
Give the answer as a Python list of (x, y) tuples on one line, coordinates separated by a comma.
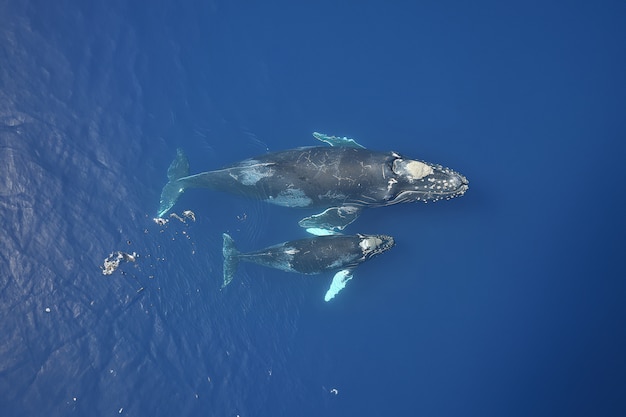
[(331, 221), (339, 282), (178, 169), (337, 141)]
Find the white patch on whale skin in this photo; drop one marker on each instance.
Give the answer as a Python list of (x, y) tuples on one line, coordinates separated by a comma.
[(291, 251), (411, 170), (252, 171), (369, 244), (291, 197), (332, 196), (285, 261), (341, 261)]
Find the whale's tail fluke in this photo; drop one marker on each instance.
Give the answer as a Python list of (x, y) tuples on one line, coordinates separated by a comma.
[(178, 169), (231, 259)]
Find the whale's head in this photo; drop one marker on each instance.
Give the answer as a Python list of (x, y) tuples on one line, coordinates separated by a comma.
[(414, 180), (372, 245)]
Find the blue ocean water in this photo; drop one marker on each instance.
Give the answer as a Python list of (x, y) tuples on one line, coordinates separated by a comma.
[(507, 301)]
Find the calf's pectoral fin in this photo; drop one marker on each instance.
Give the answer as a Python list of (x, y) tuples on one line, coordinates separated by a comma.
[(331, 221), (339, 282)]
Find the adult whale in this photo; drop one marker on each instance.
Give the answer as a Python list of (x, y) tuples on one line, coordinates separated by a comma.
[(341, 179), (314, 255)]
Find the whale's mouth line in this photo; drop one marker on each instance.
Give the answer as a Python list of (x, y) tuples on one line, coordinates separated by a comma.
[(377, 251), (409, 196)]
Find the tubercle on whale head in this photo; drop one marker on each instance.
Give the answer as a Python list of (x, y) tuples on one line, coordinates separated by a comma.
[(426, 182)]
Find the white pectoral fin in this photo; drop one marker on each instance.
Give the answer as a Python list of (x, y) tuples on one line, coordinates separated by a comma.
[(331, 221), (321, 232), (339, 282)]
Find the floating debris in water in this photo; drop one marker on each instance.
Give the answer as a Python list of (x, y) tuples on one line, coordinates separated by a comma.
[(112, 262), (160, 221), (189, 215), (177, 217)]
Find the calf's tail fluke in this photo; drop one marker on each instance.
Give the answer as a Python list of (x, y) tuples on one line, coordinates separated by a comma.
[(179, 168), (231, 259)]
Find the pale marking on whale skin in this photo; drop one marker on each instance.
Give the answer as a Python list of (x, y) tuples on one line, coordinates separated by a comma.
[(369, 244), (390, 183), (254, 172), (412, 170), (291, 197), (341, 261), (332, 195), (291, 251)]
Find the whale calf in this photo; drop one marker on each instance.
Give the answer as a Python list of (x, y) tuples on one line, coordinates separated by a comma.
[(341, 179), (315, 255)]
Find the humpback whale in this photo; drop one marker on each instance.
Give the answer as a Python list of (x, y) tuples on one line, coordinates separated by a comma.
[(314, 255), (341, 179)]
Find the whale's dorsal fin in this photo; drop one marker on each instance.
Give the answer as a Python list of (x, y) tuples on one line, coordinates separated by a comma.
[(339, 282), (337, 141), (331, 221)]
